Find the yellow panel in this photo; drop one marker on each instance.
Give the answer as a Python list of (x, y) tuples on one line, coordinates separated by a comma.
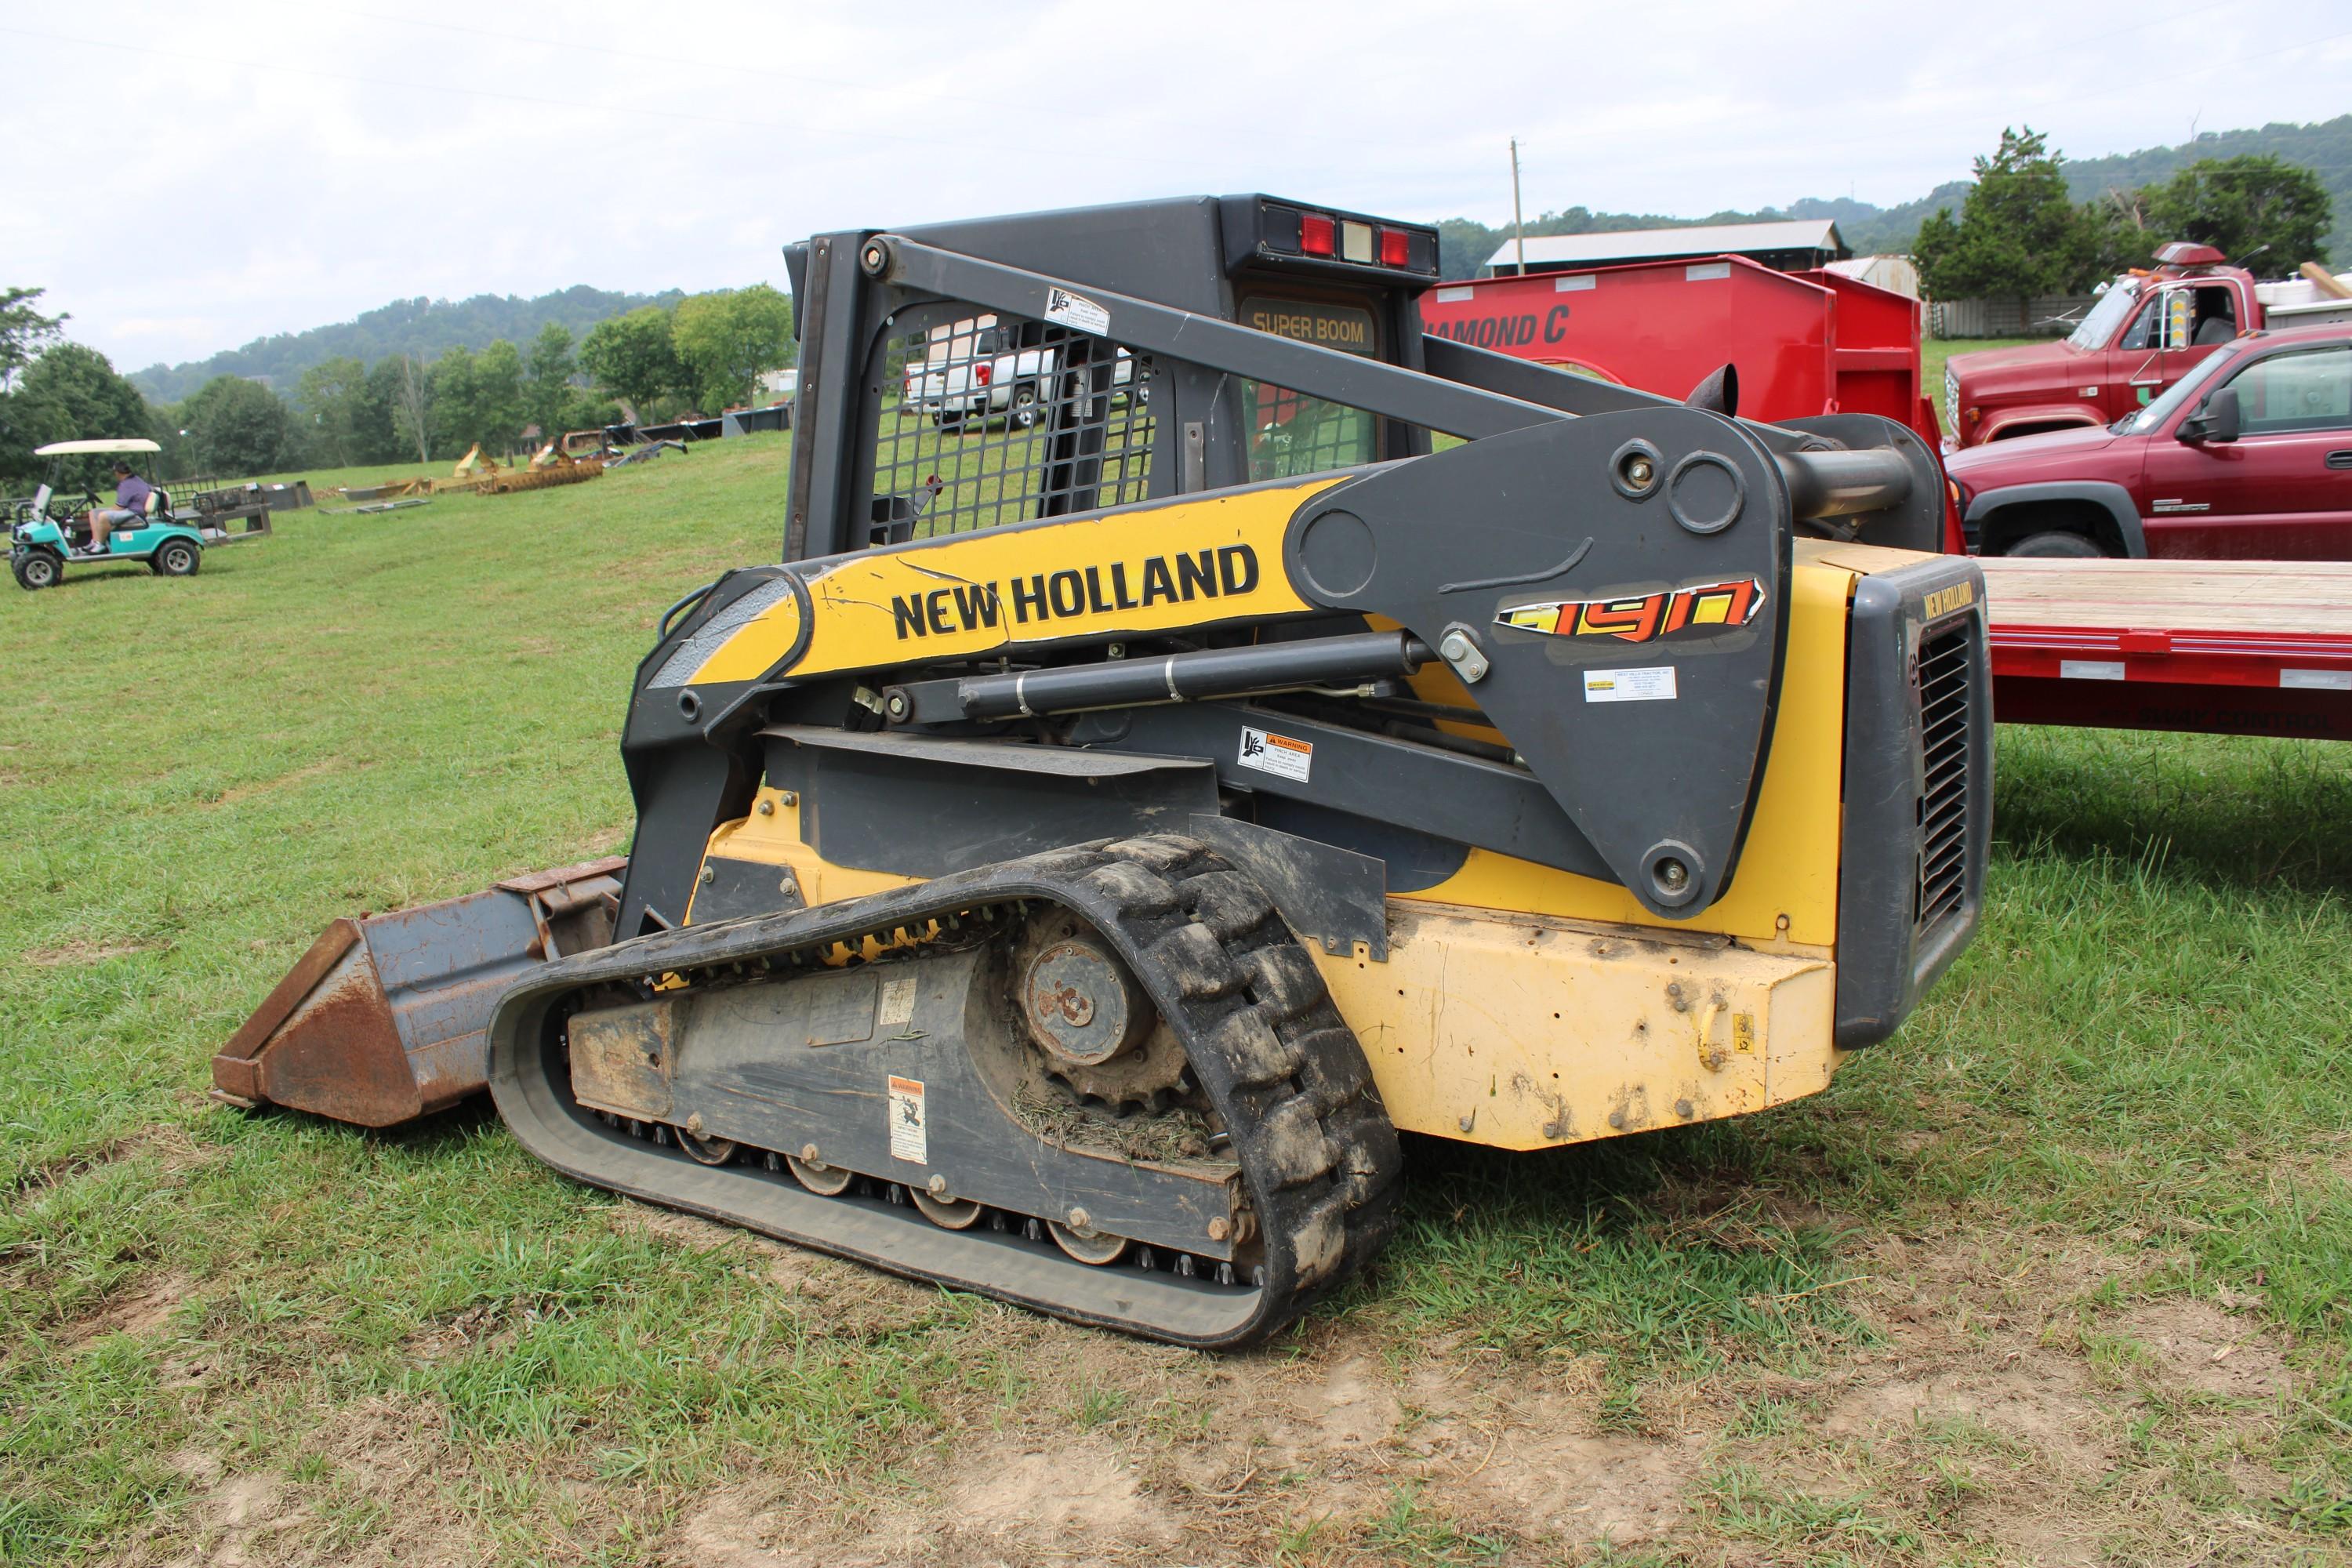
[(974, 594), (1523, 1031), (1788, 866)]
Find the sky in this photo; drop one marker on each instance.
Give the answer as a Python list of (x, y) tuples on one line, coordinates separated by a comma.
[(183, 178)]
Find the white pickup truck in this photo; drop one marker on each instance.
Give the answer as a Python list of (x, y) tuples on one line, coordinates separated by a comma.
[(975, 370)]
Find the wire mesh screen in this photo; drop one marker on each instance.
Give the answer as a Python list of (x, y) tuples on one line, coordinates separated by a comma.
[(985, 419), (1291, 433)]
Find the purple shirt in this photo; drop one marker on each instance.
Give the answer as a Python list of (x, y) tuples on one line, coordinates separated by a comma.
[(132, 494)]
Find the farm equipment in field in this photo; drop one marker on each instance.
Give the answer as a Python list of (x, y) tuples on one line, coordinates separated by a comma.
[(1066, 873)]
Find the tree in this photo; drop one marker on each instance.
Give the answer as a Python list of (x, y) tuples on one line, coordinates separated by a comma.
[(726, 339), (412, 405), (2243, 204), (342, 421), (2018, 233), (71, 393), (2117, 234), (633, 358), (24, 331), (241, 428), (477, 397), (547, 385)]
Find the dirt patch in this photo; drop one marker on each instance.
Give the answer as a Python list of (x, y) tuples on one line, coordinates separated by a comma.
[(237, 793), (81, 952), (2198, 1345), (179, 1151), (1069, 1493), (139, 1313)]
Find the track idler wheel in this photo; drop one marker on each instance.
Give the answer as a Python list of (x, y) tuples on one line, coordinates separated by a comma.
[(826, 1181)]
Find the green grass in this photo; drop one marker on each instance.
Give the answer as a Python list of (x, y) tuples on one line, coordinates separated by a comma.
[(1934, 351), (2143, 1061)]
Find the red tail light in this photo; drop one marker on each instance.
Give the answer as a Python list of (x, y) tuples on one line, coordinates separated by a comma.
[(1394, 248), (981, 373), (1318, 234)]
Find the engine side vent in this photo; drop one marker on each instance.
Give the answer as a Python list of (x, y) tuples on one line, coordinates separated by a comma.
[(1943, 697)]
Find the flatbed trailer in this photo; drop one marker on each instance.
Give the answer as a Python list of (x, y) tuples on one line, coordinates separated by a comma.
[(2227, 647)]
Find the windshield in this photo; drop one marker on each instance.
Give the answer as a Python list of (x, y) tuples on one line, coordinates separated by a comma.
[(2106, 315), (2181, 392)]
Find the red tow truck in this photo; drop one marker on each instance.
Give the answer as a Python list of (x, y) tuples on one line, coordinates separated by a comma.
[(2147, 331)]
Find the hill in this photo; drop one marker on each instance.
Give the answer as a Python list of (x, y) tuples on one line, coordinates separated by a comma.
[(424, 327), (1465, 244)]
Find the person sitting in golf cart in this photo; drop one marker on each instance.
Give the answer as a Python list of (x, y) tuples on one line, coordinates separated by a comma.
[(130, 493)]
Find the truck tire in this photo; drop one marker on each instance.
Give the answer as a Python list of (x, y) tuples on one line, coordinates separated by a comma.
[(1023, 413), (2058, 542)]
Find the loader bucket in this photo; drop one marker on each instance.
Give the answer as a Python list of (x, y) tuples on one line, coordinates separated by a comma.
[(383, 1019)]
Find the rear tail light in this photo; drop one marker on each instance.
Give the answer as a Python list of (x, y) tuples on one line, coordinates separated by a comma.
[(1396, 247), (1318, 234), (981, 373)]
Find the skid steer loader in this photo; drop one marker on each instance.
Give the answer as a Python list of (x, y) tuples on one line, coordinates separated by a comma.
[(1269, 729)]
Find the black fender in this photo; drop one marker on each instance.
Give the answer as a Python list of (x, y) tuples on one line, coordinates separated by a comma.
[(2108, 497)]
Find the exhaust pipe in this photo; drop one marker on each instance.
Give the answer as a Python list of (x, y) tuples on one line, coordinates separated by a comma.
[(384, 1019)]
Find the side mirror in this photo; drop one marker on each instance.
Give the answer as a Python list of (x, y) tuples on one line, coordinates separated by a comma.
[(2215, 420)]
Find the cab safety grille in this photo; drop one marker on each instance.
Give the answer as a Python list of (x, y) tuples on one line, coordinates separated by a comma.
[(1944, 696)]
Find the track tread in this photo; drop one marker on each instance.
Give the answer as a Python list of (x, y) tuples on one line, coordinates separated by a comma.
[(1319, 1155)]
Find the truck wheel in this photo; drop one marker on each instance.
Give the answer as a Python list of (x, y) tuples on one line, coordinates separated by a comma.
[(37, 569), (1024, 407), (178, 558), (2057, 542)]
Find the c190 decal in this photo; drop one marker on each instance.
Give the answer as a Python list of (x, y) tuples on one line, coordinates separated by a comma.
[(1648, 616)]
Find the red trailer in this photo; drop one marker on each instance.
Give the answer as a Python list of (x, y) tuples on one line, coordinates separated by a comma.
[(1803, 342), (2230, 648)]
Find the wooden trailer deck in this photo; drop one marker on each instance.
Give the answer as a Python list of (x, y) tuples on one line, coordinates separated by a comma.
[(2226, 646)]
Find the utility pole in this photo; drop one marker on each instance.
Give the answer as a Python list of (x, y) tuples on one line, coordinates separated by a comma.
[(1518, 224)]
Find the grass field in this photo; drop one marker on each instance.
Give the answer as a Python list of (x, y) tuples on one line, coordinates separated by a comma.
[(2059, 1274)]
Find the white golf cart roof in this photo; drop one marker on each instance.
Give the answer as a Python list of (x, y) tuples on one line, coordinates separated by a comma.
[(106, 444)]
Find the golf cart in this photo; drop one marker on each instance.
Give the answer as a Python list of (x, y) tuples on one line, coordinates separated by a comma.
[(44, 534)]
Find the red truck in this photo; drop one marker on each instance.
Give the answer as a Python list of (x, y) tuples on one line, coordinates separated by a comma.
[(2147, 331), (2247, 455)]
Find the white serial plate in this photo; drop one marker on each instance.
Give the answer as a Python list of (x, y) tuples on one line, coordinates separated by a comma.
[(1650, 683)]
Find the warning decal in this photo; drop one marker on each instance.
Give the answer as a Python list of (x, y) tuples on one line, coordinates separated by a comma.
[(1076, 311), (907, 1138), (1271, 754)]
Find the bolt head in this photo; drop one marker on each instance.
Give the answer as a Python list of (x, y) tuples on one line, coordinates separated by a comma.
[(1220, 1228), (792, 798), (709, 876), (936, 1186), (1454, 646), (808, 1153), (1673, 874), (695, 1124), (1081, 1220), (766, 808)]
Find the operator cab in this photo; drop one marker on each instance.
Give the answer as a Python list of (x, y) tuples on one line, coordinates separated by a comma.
[(973, 417)]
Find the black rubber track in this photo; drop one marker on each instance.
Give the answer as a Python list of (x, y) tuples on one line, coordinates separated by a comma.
[(1319, 1157)]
